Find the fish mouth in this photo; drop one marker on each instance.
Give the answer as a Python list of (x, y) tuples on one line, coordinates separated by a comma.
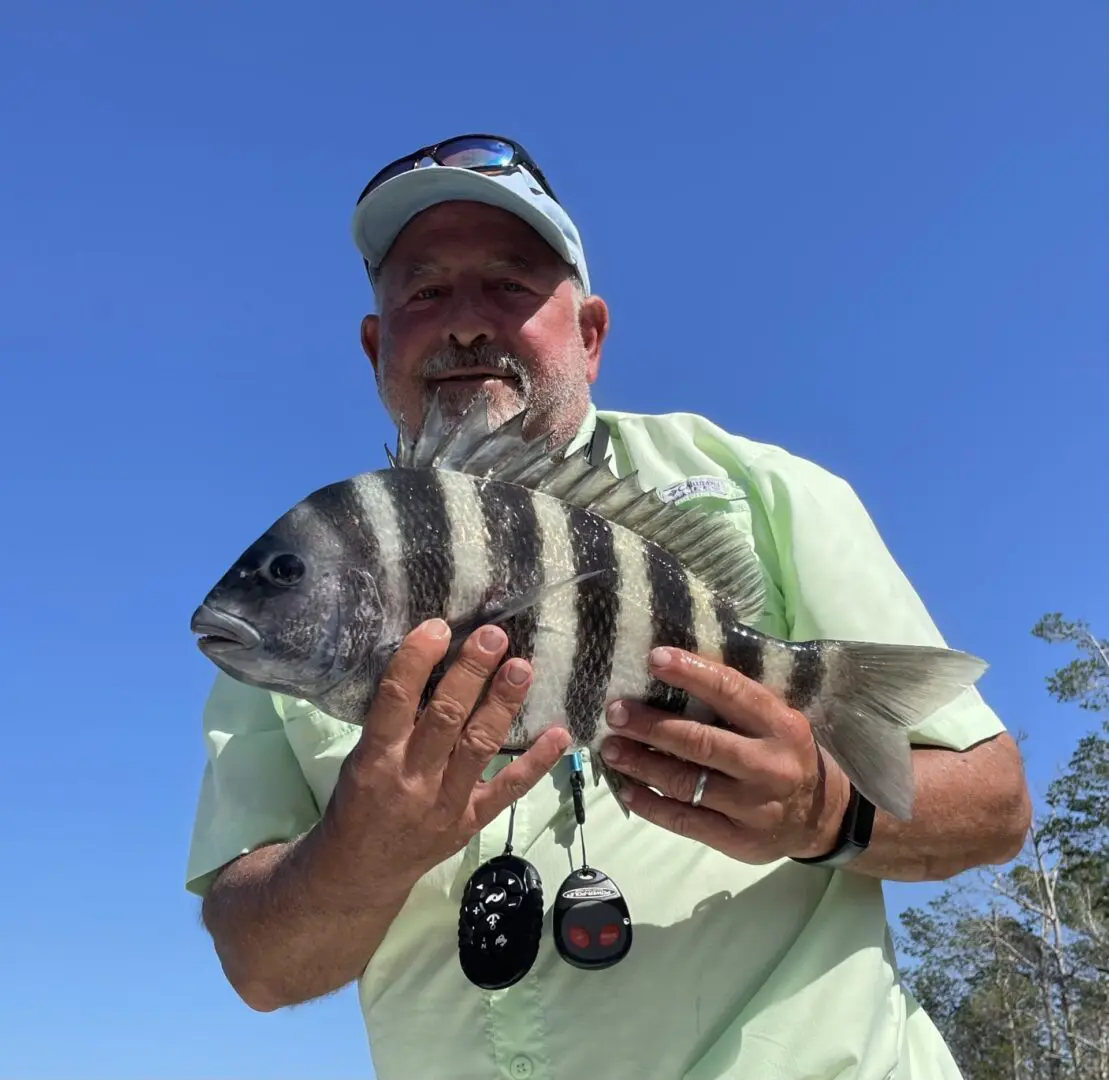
[(222, 632)]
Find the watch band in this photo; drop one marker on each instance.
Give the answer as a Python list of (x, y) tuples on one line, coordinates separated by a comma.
[(854, 834)]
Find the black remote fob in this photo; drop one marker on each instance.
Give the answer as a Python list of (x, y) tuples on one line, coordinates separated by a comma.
[(592, 928), (500, 922)]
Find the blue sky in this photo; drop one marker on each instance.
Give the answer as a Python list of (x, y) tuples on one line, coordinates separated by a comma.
[(871, 233)]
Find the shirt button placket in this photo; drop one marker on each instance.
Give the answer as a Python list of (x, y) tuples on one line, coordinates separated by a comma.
[(515, 1014), (521, 1067)]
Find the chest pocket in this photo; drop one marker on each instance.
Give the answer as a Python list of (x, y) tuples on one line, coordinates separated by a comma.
[(319, 742)]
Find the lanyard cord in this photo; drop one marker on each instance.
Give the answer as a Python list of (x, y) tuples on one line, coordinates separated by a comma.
[(577, 783)]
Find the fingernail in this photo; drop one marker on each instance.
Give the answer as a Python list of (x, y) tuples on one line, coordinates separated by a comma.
[(617, 714), (436, 628), (610, 751), (626, 795), (517, 674), (489, 639), (660, 657)]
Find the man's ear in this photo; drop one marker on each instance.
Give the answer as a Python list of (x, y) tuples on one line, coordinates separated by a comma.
[(593, 320), (371, 339)]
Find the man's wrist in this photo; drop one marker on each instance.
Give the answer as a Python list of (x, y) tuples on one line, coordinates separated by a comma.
[(834, 796), (353, 878), (853, 821)]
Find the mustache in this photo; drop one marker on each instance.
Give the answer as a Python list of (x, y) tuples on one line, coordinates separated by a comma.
[(457, 358)]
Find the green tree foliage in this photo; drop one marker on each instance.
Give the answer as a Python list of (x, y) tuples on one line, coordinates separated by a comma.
[(1085, 679), (1013, 967)]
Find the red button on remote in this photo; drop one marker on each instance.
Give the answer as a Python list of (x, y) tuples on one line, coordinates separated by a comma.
[(609, 935), (578, 936)]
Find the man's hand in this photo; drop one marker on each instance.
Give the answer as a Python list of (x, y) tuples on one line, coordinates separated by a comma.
[(409, 794), (294, 921), (771, 792)]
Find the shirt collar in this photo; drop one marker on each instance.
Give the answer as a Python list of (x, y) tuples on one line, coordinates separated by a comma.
[(585, 430)]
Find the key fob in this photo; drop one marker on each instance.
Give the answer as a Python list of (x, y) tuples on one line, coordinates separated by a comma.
[(592, 928), (500, 922)]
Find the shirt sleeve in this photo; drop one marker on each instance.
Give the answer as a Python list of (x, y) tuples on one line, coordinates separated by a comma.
[(252, 791), (838, 580)]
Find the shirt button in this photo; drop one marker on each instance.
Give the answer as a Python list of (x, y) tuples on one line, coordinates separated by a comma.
[(521, 1066)]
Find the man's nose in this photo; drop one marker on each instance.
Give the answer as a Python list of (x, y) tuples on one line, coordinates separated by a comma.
[(468, 337), (468, 322)]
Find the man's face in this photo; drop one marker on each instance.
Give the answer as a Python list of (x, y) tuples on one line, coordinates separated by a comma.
[(471, 301)]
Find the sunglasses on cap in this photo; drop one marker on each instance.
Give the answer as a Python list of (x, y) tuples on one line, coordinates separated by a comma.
[(481, 153)]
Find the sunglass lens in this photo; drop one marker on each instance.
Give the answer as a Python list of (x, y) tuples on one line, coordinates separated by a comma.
[(468, 153)]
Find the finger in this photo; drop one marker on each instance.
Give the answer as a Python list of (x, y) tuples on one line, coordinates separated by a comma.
[(515, 780), (723, 749), (392, 713), (448, 711), (483, 736), (677, 779), (746, 705), (750, 805), (694, 822), (697, 823)]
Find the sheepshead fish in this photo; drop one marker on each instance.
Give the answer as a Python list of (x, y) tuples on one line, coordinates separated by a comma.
[(585, 572)]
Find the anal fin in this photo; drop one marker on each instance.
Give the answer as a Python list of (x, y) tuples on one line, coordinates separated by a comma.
[(612, 778)]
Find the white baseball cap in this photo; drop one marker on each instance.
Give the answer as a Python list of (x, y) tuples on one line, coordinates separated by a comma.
[(473, 168)]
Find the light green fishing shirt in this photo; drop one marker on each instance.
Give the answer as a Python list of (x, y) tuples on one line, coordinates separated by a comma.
[(774, 972)]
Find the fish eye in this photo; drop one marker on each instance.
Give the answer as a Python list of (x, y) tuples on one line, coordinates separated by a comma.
[(285, 569)]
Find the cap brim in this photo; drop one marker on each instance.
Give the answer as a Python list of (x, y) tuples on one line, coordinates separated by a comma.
[(380, 217)]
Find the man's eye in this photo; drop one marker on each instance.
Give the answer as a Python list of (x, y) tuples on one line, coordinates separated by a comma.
[(514, 286), (426, 294)]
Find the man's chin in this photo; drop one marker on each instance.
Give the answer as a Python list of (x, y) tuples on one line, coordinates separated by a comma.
[(503, 396)]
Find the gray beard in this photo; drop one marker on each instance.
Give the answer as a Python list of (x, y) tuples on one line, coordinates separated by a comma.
[(456, 359), (547, 404)]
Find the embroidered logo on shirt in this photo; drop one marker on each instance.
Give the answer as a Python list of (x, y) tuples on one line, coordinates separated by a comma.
[(692, 487)]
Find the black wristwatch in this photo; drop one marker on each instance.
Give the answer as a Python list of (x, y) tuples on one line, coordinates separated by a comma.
[(854, 834)]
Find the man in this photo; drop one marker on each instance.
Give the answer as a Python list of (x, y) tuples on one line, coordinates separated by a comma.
[(329, 852)]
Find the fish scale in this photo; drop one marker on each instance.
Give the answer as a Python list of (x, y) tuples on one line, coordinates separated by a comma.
[(671, 623), (557, 627), (586, 572), (598, 611), (514, 546), (740, 648), (427, 554)]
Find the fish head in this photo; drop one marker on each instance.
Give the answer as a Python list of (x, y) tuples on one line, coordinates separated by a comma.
[(296, 613)]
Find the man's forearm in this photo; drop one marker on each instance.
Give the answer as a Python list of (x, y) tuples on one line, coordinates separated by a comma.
[(971, 809), (288, 926)]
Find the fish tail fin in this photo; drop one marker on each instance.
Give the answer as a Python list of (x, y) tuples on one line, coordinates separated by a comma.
[(871, 695)]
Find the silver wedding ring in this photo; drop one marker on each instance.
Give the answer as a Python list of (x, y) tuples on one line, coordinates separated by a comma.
[(699, 788)]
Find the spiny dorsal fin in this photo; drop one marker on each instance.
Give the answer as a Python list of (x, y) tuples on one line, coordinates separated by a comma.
[(706, 544), (440, 446)]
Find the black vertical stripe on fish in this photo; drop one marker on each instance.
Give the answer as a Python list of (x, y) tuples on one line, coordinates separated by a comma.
[(427, 556), (741, 647), (671, 623), (597, 604), (805, 676), (341, 507), (514, 549)]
